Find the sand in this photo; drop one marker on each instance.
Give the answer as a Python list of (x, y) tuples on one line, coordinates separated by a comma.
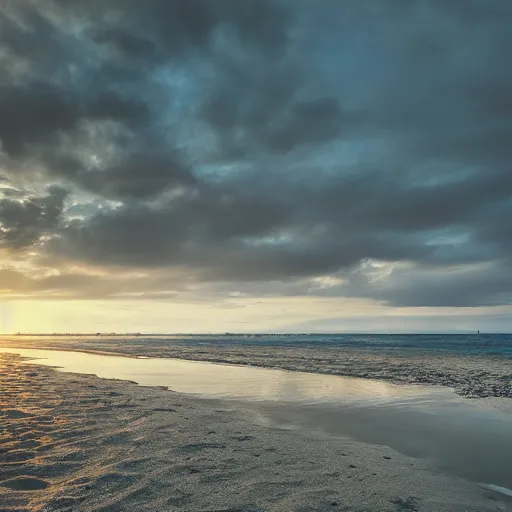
[(78, 443), (472, 376)]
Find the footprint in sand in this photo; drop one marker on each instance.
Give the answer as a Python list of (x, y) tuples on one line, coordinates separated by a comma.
[(24, 483), (28, 444), (18, 456), (17, 414), (406, 504)]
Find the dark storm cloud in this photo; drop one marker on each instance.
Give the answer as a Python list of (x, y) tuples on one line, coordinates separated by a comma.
[(140, 177), (172, 27), (257, 109), (465, 289), (256, 142), (38, 112), (30, 38), (23, 222), (32, 114), (254, 228), (484, 284), (128, 45)]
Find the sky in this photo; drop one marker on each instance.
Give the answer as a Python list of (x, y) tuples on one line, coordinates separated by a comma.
[(255, 165)]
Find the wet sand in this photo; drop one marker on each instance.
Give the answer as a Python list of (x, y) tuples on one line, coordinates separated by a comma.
[(469, 375), (78, 443)]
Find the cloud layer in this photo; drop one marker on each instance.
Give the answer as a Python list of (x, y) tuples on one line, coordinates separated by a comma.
[(261, 147)]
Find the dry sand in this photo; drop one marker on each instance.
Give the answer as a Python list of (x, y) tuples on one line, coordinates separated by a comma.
[(79, 443)]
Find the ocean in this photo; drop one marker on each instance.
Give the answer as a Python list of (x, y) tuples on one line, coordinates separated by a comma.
[(460, 344), (491, 344)]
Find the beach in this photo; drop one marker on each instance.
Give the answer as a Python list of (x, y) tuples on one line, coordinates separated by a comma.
[(255, 256), (72, 442)]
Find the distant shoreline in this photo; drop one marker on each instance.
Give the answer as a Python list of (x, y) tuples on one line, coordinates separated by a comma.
[(252, 334)]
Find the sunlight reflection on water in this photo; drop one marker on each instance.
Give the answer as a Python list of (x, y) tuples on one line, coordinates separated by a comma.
[(235, 382)]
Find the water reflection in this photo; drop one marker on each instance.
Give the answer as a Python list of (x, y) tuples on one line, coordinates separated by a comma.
[(235, 382)]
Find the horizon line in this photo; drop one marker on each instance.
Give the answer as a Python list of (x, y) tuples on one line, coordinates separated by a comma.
[(254, 333)]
